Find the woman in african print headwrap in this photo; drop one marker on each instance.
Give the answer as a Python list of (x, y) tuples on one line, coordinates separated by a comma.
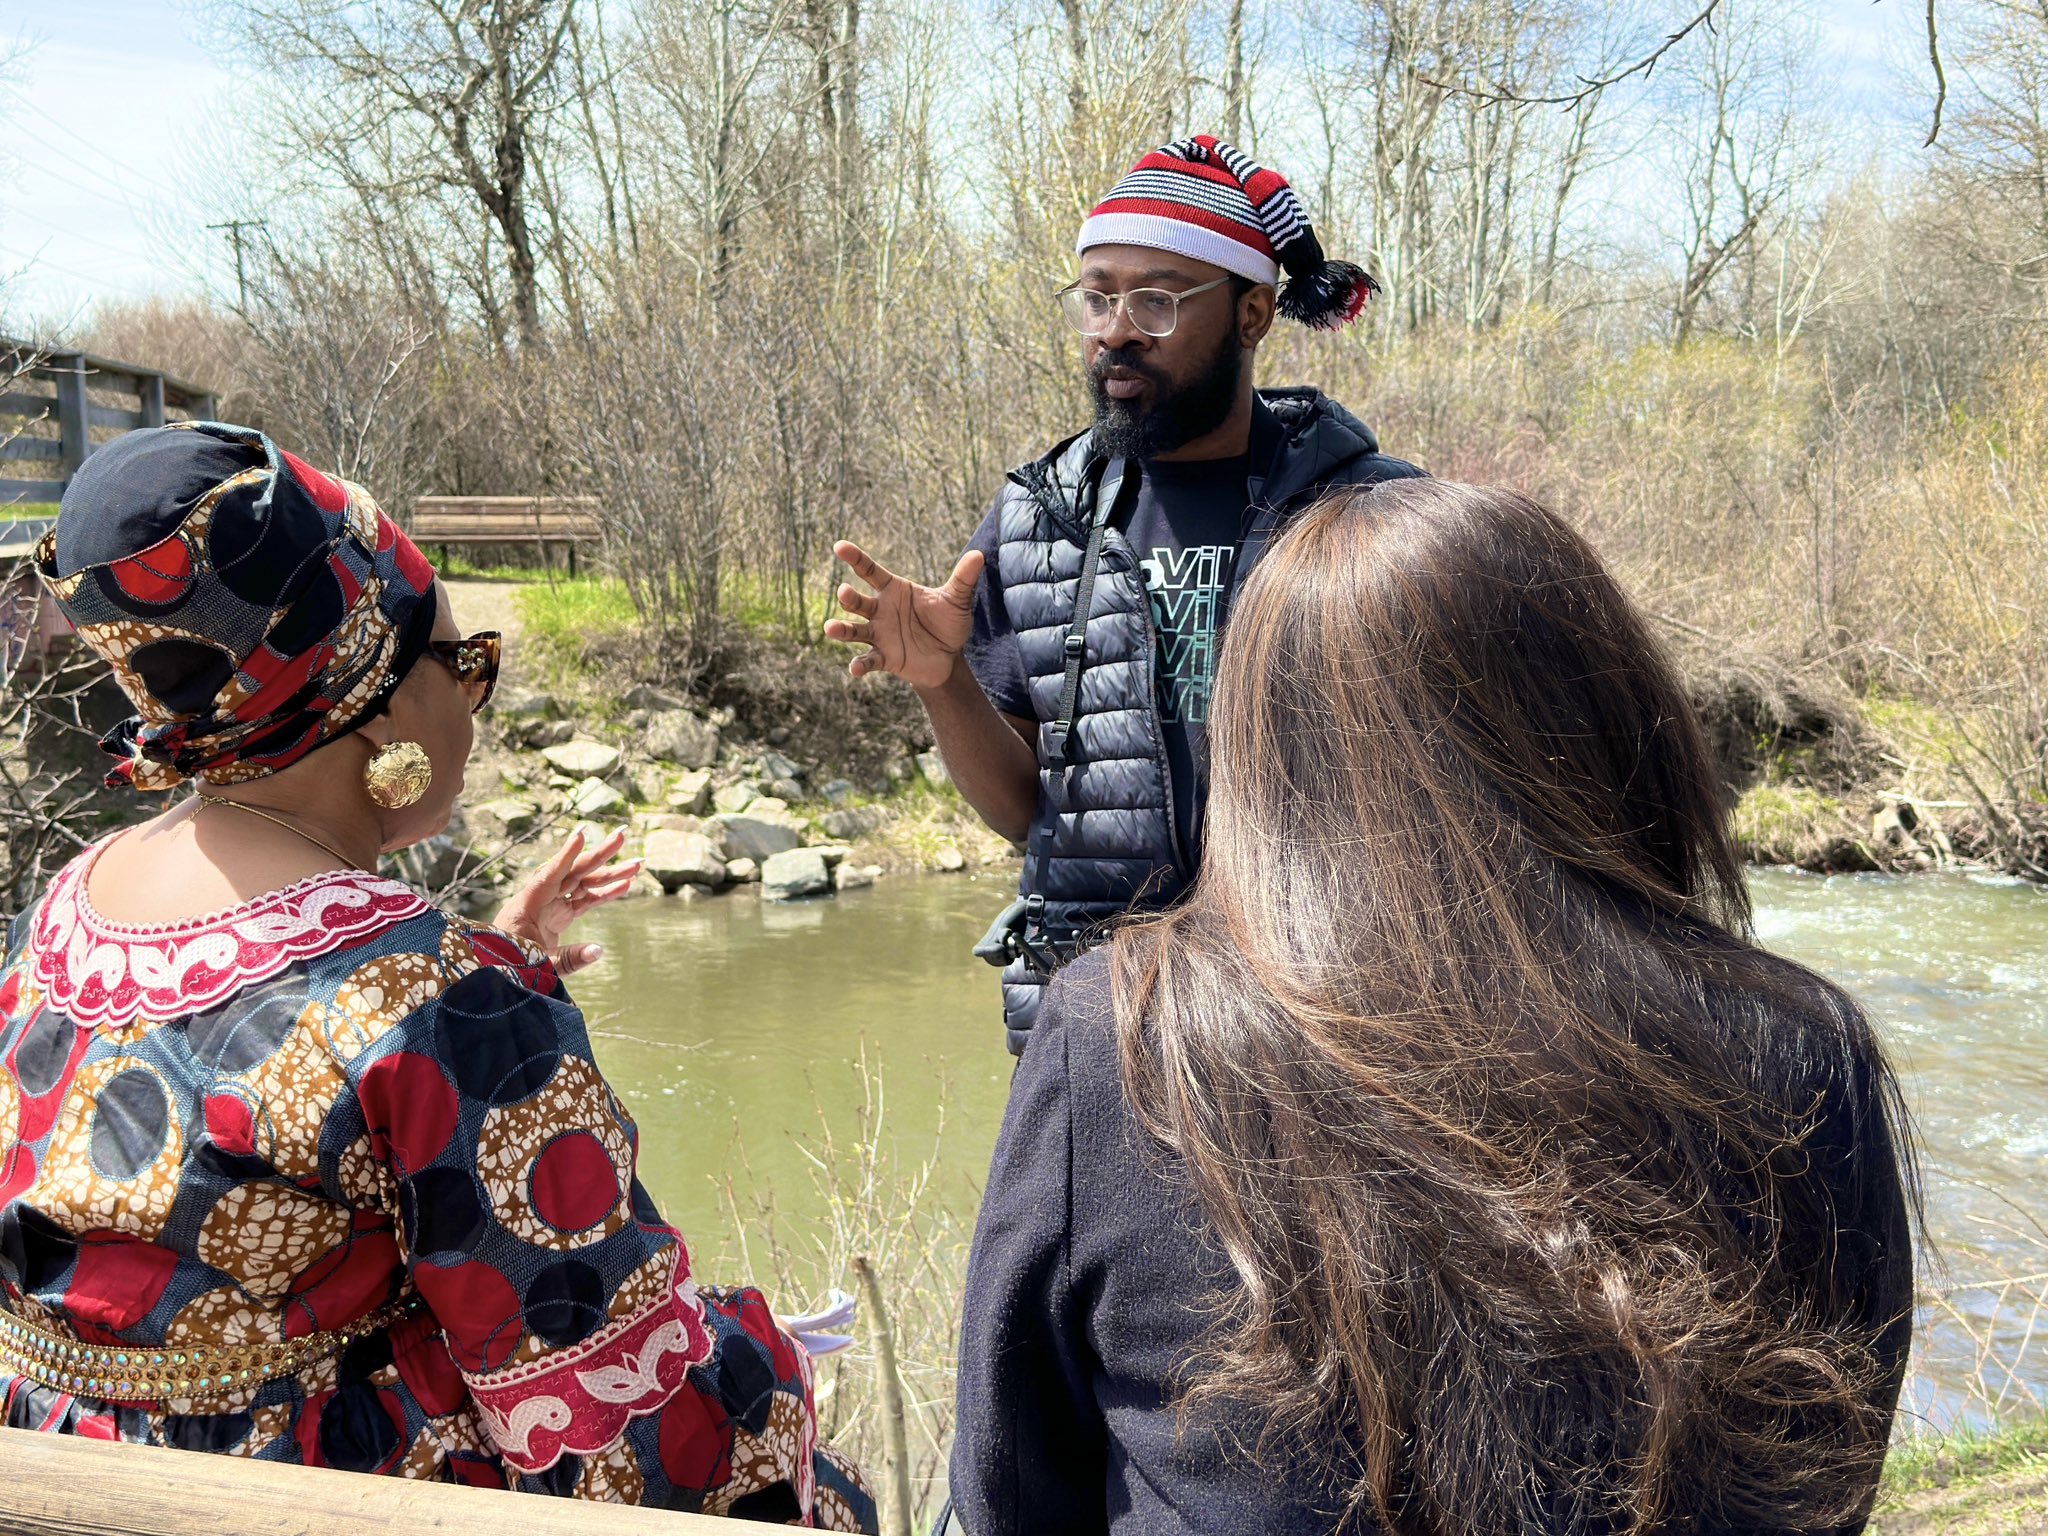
[(294, 1165)]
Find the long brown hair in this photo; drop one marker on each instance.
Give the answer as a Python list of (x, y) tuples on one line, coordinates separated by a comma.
[(1505, 1126)]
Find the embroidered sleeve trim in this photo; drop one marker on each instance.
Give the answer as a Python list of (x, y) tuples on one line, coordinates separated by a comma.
[(578, 1401), (106, 975)]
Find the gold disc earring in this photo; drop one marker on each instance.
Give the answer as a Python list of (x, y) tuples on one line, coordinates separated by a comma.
[(398, 774)]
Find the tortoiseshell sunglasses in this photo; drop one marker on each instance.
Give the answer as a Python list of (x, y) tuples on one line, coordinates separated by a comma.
[(474, 661)]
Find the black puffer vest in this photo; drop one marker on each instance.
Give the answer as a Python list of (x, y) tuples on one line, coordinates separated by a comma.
[(1104, 839)]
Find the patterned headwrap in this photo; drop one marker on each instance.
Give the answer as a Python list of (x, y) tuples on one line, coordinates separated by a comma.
[(251, 608)]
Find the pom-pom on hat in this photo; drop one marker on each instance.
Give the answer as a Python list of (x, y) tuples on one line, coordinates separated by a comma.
[(1201, 198)]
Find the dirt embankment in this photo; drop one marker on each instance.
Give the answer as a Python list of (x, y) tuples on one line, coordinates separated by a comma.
[(1816, 777)]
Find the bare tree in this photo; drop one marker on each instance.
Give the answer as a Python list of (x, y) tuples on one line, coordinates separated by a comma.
[(1997, 144), (1743, 162), (345, 372), (412, 94)]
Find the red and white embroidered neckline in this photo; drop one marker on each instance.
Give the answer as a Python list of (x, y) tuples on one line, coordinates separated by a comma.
[(106, 975)]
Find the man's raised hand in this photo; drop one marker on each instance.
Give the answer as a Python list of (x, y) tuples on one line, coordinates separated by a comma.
[(915, 632)]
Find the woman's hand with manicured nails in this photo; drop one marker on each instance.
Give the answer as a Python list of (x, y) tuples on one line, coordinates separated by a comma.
[(915, 632), (579, 877)]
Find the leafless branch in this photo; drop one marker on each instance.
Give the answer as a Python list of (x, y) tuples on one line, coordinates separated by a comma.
[(1588, 87)]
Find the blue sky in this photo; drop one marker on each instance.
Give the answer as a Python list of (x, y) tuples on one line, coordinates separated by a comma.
[(101, 131), (112, 108)]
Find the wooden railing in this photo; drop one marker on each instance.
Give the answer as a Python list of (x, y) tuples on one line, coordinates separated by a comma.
[(61, 1485), (69, 403)]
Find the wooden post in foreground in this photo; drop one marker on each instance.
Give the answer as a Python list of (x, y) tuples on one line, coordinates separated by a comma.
[(895, 1444), (61, 1485)]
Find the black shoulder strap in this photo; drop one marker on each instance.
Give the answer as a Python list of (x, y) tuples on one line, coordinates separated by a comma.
[(1109, 494), (1110, 489)]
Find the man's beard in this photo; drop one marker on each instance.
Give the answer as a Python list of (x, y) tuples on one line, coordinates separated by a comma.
[(1179, 416)]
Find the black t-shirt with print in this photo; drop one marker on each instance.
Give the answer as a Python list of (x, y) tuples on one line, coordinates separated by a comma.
[(1184, 528)]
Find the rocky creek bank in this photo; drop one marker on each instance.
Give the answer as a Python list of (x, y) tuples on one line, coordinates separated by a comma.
[(709, 810)]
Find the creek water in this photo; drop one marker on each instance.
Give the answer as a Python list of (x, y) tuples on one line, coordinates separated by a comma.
[(732, 1025)]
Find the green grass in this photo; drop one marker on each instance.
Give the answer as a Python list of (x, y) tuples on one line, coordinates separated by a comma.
[(1781, 821), (562, 619), (457, 568), (16, 511), (1939, 1461)]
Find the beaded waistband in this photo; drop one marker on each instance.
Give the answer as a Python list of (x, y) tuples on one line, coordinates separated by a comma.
[(150, 1376)]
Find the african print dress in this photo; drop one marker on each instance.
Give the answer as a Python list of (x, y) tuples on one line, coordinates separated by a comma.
[(331, 1177)]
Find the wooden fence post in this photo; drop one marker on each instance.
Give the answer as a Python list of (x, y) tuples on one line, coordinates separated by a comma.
[(151, 390), (73, 436)]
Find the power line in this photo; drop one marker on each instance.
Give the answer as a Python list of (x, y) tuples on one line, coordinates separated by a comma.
[(31, 263), (107, 183), (17, 211)]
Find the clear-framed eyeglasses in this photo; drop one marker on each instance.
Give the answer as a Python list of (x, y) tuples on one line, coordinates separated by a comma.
[(1152, 311)]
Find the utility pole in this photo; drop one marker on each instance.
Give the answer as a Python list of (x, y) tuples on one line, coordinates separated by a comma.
[(234, 228)]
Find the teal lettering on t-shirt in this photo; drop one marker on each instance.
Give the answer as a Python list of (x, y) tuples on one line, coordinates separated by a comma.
[(1187, 588)]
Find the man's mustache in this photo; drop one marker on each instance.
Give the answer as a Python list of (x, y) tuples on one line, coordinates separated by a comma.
[(1130, 362)]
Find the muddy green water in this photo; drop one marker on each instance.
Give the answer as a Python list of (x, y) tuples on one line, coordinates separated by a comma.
[(735, 1023)]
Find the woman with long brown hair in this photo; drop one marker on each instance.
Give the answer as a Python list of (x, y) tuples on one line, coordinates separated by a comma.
[(1451, 1160)]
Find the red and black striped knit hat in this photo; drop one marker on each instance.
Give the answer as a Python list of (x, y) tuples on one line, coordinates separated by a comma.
[(1201, 198)]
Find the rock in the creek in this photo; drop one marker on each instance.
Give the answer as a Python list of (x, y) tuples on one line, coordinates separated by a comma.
[(855, 877), (758, 837), (552, 733), (692, 793), (775, 766), (643, 885), (652, 699), (594, 797), (684, 858), (796, 872), (933, 767), (768, 805), (853, 823), (834, 854), (509, 817), (785, 790), (743, 871), (949, 860), (650, 784), (732, 798), (677, 736), (838, 792), (584, 759)]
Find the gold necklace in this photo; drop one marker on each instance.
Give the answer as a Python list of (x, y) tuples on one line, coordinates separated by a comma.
[(279, 821)]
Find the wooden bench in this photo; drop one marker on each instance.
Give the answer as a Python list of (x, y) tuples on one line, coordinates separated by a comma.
[(537, 520), (61, 1485)]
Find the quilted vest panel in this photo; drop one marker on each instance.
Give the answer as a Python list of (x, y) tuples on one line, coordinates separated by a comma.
[(1103, 838)]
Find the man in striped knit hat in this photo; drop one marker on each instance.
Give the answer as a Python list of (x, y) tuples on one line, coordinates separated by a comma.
[(1066, 664)]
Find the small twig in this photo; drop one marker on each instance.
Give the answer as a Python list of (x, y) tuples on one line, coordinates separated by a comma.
[(1940, 78), (895, 1449), (1588, 87)]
